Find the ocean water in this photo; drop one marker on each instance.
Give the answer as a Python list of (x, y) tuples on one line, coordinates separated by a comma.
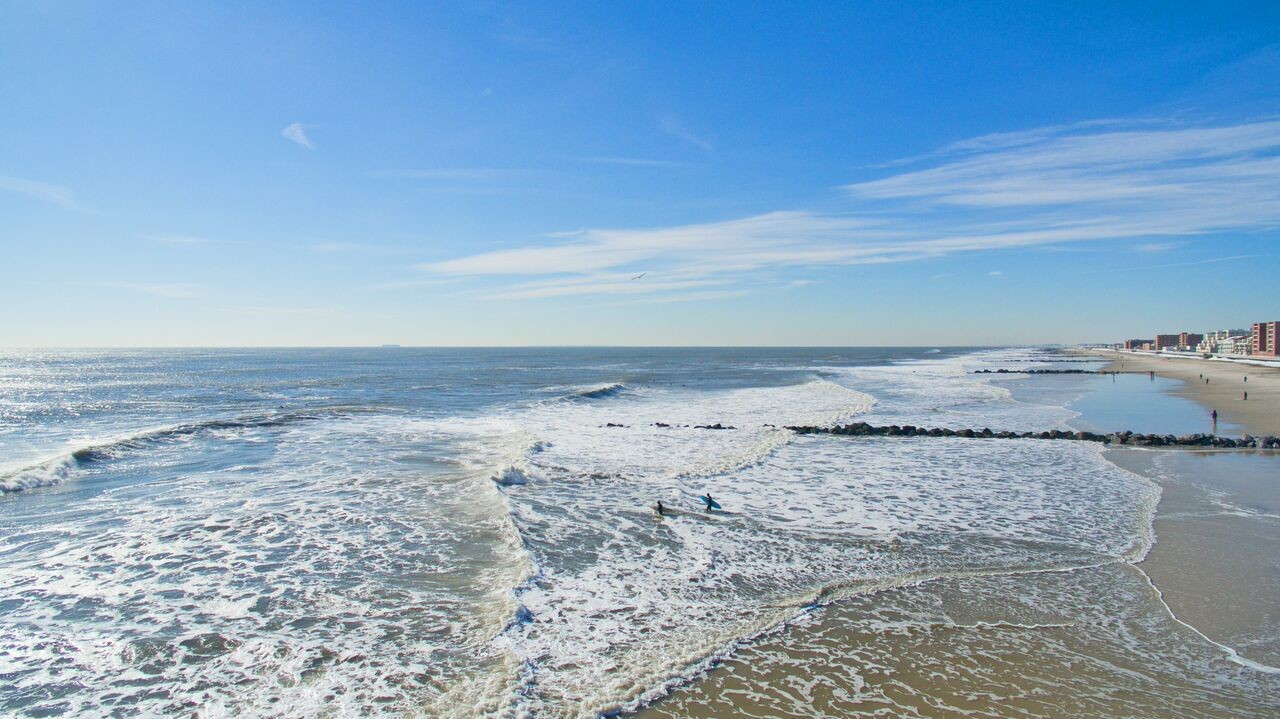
[(471, 533)]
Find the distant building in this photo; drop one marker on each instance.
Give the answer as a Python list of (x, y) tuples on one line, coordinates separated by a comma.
[(1238, 345), (1135, 344), (1213, 338), (1166, 342), (1226, 342), (1146, 346), (1188, 341), (1264, 339)]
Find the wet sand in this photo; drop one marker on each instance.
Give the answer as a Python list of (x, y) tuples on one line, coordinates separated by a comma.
[(1217, 553), (1260, 414), (1086, 643)]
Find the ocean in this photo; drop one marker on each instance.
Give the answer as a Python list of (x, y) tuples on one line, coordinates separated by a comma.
[(471, 533)]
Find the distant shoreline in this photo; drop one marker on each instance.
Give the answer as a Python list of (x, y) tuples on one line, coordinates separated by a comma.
[(1224, 392)]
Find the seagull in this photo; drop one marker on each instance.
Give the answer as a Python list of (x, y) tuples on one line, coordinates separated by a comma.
[(642, 274)]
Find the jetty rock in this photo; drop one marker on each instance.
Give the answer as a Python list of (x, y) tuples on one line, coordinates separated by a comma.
[(1122, 438)]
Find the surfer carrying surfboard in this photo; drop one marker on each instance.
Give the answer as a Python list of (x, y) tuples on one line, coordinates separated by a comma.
[(711, 503)]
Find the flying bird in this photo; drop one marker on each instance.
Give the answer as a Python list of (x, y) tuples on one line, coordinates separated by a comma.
[(642, 274)]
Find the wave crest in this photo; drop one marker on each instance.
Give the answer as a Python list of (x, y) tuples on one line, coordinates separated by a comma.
[(57, 469), (600, 392)]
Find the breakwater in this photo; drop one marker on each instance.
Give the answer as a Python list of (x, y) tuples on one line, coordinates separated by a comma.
[(1045, 371), (1129, 439)]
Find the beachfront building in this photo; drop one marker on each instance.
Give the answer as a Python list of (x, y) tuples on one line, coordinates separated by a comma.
[(1239, 345), (1135, 344), (1212, 339), (1226, 342), (1188, 341), (1264, 339), (1165, 342)]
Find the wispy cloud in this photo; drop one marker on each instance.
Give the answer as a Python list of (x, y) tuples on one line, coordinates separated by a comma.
[(456, 174), (296, 133), (43, 191), (1190, 263), (172, 291), (598, 284), (794, 237), (1097, 181), (707, 296), (675, 128), (995, 273), (1158, 246), (1128, 169)]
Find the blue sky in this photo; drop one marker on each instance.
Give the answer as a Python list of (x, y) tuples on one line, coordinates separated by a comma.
[(492, 174)]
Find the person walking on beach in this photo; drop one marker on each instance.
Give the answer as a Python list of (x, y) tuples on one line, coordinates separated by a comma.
[(1246, 396), (1215, 424)]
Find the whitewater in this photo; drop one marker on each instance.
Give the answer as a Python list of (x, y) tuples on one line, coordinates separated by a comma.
[(468, 533)]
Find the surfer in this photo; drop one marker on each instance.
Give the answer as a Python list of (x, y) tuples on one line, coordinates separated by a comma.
[(660, 509), (711, 503)]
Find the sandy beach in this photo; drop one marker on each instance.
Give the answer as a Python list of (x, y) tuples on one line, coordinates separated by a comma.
[(1214, 557), (1224, 391)]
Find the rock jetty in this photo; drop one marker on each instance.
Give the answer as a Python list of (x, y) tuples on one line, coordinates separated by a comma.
[(1042, 371), (1128, 439)]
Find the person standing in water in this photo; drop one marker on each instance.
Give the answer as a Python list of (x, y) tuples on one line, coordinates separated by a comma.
[(710, 502), (1215, 424), (660, 508)]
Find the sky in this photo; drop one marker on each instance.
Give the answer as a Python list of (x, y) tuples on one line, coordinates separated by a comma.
[(837, 174)]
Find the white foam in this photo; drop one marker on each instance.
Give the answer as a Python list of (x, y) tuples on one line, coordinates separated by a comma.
[(625, 604), (335, 575), (378, 564)]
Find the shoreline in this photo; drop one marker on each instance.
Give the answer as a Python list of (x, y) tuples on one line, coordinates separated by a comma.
[(1173, 571), (1224, 392), (1198, 562)]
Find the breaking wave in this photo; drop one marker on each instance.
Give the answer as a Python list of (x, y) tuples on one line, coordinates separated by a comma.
[(601, 392), (60, 468)]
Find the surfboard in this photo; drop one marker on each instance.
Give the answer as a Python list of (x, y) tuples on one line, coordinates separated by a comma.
[(714, 503)]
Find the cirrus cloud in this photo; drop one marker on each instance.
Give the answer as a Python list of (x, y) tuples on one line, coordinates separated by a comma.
[(1095, 181), (297, 134)]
